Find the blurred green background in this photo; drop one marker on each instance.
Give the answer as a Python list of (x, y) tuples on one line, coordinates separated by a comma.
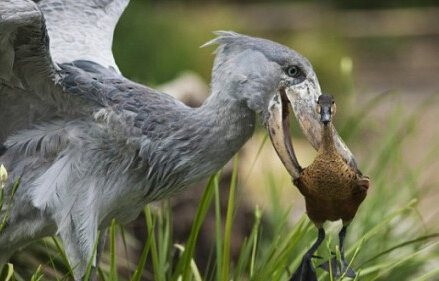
[(380, 59), (155, 40)]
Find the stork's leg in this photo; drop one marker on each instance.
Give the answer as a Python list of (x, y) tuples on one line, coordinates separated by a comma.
[(337, 270), (306, 271)]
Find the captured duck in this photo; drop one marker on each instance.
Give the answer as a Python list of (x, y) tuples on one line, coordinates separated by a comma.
[(333, 190)]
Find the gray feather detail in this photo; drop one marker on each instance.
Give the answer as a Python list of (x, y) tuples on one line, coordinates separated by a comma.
[(47, 139), (48, 189), (82, 29), (27, 73), (222, 37)]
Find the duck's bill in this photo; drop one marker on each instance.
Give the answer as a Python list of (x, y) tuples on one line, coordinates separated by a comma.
[(301, 99)]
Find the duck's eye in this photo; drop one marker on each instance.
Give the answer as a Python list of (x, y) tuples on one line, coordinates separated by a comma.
[(293, 71)]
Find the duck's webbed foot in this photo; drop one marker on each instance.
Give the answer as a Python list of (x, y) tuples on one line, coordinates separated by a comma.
[(305, 271), (338, 269)]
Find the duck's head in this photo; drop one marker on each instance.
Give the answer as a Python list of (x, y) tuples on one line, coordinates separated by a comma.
[(326, 108)]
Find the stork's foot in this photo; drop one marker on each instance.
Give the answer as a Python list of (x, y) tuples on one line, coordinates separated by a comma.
[(338, 269), (305, 271)]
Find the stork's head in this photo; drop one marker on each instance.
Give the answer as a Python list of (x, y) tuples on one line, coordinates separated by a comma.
[(270, 79)]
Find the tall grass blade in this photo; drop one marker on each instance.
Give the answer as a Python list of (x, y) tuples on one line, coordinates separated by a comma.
[(404, 244), (137, 276), (218, 230), (151, 224), (350, 127), (384, 224), (38, 275), (89, 270), (183, 267), (255, 238), (8, 208), (253, 163), (399, 262), (124, 242), (229, 223), (63, 255), (428, 276), (247, 256), (113, 264), (7, 273), (194, 268)]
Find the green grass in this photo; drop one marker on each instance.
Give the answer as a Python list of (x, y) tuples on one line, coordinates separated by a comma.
[(388, 237), (387, 240)]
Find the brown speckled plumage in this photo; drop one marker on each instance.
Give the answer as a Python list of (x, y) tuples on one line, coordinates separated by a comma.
[(332, 189)]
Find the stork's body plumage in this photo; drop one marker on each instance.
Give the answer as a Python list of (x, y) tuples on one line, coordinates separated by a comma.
[(91, 145)]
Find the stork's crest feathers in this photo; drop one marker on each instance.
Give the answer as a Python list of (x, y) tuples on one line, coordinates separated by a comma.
[(223, 37)]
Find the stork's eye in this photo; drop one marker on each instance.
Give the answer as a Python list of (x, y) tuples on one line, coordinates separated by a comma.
[(293, 71)]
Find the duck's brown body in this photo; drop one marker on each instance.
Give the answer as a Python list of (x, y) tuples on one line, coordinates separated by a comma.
[(332, 189)]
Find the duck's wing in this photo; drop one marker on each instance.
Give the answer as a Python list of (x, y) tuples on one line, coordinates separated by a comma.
[(29, 66)]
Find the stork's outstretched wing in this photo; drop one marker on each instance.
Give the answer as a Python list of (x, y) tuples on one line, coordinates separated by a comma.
[(82, 29), (29, 72)]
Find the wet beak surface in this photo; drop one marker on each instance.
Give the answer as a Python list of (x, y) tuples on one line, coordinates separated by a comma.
[(279, 131)]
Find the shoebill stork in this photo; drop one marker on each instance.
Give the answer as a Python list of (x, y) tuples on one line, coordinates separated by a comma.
[(90, 145)]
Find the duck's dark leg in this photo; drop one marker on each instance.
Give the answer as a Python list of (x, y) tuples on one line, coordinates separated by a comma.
[(306, 271), (337, 270)]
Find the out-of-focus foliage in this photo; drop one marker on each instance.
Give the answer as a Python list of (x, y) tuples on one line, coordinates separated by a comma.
[(359, 4), (156, 40)]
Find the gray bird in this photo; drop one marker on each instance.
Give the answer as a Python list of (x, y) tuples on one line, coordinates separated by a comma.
[(91, 145)]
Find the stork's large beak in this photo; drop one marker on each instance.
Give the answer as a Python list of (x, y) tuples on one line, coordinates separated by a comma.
[(279, 131), (302, 99)]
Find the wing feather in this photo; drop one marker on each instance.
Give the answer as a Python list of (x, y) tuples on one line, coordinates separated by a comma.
[(30, 90), (82, 29), (27, 73)]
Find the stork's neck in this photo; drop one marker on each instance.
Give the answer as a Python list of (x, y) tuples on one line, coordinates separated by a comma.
[(232, 124)]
